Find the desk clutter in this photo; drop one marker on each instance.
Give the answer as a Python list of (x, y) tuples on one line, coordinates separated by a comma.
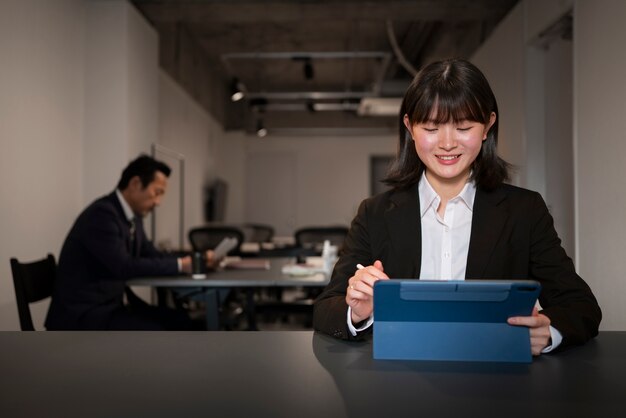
[(258, 301), (238, 263)]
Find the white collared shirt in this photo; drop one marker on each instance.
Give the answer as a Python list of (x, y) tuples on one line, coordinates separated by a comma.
[(128, 212), (130, 215), (445, 241)]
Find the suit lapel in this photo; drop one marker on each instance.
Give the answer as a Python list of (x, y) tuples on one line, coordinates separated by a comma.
[(131, 242), (139, 234), (490, 216), (405, 232)]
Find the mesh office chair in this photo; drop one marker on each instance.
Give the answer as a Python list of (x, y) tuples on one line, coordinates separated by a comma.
[(33, 281), (313, 237), (309, 242), (259, 233), (208, 237)]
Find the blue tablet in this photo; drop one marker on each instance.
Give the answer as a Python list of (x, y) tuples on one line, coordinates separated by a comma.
[(458, 320)]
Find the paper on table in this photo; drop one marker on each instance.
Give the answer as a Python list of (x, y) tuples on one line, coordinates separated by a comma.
[(301, 270), (246, 263), (224, 247)]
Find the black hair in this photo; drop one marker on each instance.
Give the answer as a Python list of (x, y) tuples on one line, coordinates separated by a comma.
[(145, 167), (443, 91)]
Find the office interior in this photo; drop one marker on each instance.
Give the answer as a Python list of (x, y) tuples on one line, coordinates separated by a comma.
[(81, 93)]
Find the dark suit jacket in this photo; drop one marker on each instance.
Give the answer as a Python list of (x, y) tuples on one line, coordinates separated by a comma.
[(512, 237), (95, 262)]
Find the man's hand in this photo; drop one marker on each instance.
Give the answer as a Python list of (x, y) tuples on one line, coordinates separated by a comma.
[(185, 264), (211, 261), (539, 326), (360, 292)]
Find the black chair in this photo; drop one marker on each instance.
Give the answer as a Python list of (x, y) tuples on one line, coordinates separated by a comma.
[(313, 237), (259, 233), (208, 237), (33, 281)]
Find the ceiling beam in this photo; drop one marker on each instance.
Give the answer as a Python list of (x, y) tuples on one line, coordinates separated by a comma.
[(248, 11)]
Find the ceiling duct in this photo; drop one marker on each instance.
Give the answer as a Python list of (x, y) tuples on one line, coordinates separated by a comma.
[(379, 106)]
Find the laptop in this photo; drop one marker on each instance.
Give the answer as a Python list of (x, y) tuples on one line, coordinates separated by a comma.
[(457, 320)]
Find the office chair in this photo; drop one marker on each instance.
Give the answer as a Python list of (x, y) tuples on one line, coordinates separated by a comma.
[(259, 233), (33, 282), (313, 237), (208, 237)]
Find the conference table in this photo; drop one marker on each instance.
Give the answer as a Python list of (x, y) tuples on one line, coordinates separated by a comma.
[(292, 374), (245, 276)]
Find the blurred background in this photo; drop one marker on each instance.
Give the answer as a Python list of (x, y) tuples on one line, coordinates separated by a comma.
[(285, 113)]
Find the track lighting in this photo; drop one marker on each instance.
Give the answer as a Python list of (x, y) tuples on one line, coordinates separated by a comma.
[(237, 90), (261, 131), (308, 69)]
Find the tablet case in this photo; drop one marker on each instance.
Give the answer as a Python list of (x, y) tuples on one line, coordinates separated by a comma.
[(452, 320)]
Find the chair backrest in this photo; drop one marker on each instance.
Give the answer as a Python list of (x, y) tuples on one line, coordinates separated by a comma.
[(33, 281), (208, 237), (314, 236), (258, 233)]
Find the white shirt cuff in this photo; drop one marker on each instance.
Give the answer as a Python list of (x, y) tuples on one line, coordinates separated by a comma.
[(556, 337), (351, 327), (180, 265)]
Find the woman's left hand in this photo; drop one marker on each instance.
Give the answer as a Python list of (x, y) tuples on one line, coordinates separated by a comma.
[(539, 326)]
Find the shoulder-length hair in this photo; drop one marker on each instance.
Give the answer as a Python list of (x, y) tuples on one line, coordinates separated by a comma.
[(448, 91)]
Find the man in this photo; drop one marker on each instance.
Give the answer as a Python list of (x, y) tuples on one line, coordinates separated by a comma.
[(106, 247)]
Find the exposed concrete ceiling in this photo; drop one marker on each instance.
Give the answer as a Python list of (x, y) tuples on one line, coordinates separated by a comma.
[(306, 66)]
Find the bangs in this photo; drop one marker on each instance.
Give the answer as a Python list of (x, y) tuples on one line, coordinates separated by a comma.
[(448, 104)]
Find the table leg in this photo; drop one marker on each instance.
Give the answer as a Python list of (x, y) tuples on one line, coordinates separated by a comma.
[(212, 306), (251, 310)]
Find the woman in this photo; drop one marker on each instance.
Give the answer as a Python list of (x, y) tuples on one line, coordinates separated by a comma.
[(449, 216)]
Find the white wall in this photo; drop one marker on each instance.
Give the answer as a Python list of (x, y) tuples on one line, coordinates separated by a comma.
[(324, 178), (600, 144), (598, 140), (121, 98), (231, 166), (185, 128), (501, 59), (79, 97), (41, 127), (558, 139)]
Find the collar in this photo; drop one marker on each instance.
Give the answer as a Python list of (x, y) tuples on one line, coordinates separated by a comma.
[(128, 212), (428, 196)]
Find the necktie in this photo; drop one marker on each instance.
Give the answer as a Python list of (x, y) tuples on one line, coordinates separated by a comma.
[(133, 233)]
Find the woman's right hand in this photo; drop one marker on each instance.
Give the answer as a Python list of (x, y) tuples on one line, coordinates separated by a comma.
[(360, 291)]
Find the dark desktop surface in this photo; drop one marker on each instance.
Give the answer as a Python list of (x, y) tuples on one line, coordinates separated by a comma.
[(291, 374)]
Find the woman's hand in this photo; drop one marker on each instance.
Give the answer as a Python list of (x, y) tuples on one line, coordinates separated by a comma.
[(360, 291), (539, 326)]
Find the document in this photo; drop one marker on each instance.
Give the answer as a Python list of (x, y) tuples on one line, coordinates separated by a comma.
[(224, 247)]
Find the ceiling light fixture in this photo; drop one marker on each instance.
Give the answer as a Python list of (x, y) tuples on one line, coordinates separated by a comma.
[(237, 90), (308, 69), (261, 131), (379, 106)]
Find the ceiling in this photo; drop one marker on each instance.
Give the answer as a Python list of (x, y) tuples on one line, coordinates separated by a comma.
[(312, 67)]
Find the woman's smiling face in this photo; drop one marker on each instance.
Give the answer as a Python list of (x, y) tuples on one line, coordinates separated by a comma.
[(449, 149)]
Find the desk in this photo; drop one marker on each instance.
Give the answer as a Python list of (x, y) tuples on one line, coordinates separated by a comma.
[(232, 278), (291, 374)]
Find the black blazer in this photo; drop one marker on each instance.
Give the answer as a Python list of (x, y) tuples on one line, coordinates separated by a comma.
[(95, 262), (512, 238)]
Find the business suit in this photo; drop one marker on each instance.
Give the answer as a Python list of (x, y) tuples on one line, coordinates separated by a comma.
[(97, 258), (512, 237)]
